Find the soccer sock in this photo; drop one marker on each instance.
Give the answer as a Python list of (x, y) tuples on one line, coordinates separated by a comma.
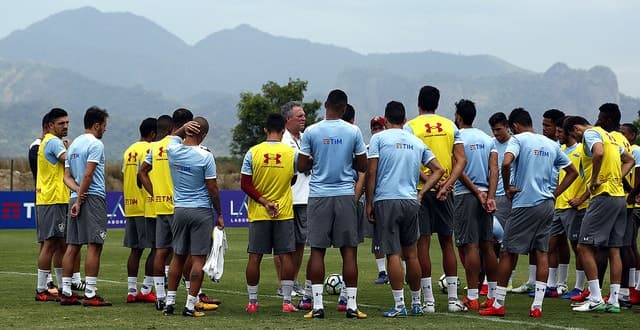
[(42, 280), (415, 298), (158, 282), (66, 286), (59, 276), (253, 293), (624, 294), (551, 279), (132, 285), (308, 294), (351, 298), (398, 297), (171, 298), (472, 294), (49, 277), (492, 289), (191, 302), (637, 279), (613, 294), (532, 275), (287, 287), (452, 287), (76, 278), (166, 271), (632, 277), (594, 289), (427, 289), (343, 295), (404, 267), (541, 287), (580, 279), (501, 294), (484, 281), (316, 290), (380, 263), (90, 290), (187, 285), (563, 274), (147, 284)]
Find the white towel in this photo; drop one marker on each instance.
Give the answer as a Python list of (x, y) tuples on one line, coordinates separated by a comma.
[(215, 261)]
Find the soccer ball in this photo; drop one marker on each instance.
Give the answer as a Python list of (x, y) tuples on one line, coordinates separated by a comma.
[(442, 283), (333, 284)]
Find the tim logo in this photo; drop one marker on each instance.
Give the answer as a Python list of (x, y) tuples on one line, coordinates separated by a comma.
[(476, 146), (272, 157), (540, 153), (132, 157), (404, 146), (332, 141), (429, 127), (10, 210), (73, 156), (182, 168)]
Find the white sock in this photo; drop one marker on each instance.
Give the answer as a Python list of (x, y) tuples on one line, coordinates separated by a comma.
[(452, 287), (166, 271), (287, 287), (147, 284), (472, 294), (563, 274), (551, 279), (380, 263), (187, 285), (76, 278), (158, 283), (171, 298), (398, 297), (613, 294), (343, 295), (351, 298), (308, 294), (484, 281), (427, 289), (415, 298), (632, 277), (501, 294), (624, 294), (59, 276), (404, 267), (132, 285), (253, 293), (191, 302), (594, 289), (66, 286), (541, 287), (316, 290), (90, 290), (532, 275), (637, 279), (49, 277), (492, 289), (41, 284), (580, 279)]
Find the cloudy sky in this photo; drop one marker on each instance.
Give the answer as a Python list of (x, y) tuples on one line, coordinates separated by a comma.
[(531, 34)]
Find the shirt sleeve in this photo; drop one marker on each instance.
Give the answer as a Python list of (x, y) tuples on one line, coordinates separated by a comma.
[(456, 135), (149, 157), (374, 148), (210, 167), (562, 160), (247, 164), (427, 155), (591, 137), (635, 152), (408, 128), (54, 149), (96, 152), (513, 146), (305, 144), (359, 148), (494, 147)]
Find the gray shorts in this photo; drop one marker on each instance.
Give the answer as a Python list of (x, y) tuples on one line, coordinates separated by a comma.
[(503, 208), (332, 222), (630, 229), (271, 236), (472, 223), (90, 227), (396, 224), (51, 221), (570, 220), (139, 233), (164, 235), (436, 216), (604, 222), (528, 228), (557, 226), (301, 229), (192, 228)]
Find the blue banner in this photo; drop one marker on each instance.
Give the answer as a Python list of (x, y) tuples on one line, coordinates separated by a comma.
[(17, 209)]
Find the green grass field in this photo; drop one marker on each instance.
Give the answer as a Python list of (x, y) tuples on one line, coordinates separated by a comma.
[(18, 253)]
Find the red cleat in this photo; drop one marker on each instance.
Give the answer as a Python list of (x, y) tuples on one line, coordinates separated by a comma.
[(535, 312), (46, 296), (251, 308), (581, 297), (146, 298), (484, 289), (131, 298), (492, 311), (471, 304), (487, 303), (634, 296)]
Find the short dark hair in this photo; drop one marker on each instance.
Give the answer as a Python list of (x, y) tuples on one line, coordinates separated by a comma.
[(148, 126), (560, 122), (466, 109), (181, 116), (612, 112), (520, 116), (553, 114), (275, 122), (56, 113), (45, 120), (337, 98), (633, 128), (572, 121), (204, 125), (94, 115), (349, 113), (498, 118), (164, 125), (395, 113), (428, 98)]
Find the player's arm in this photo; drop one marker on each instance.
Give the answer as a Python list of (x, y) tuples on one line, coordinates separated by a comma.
[(371, 177), (360, 163), (432, 179), (459, 160), (189, 128), (70, 181), (87, 179), (246, 184), (570, 175), (627, 162), (490, 204), (597, 153), (304, 163), (505, 170), (360, 185), (214, 194), (143, 177), (464, 178)]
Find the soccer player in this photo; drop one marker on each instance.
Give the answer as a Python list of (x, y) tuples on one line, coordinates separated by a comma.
[(377, 125), (395, 157), (140, 231), (474, 201), (193, 172), (268, 169), (533, 158), (87, 223), (52, 201), (436, 213), (630, 131), (328, 148)]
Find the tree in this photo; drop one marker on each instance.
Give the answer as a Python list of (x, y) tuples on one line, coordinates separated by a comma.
[(253, 110)]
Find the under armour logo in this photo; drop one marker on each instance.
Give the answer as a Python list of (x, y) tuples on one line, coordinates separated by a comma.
[(276, 158), (133, 156), (160, 151), (429, 127)]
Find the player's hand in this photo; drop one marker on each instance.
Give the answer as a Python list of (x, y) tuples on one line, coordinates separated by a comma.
[(594, 184), (443, 192), (75, 210), (272, 209), (370, 214), (490, 205), (220, 222), (512, 191), (191, 128), (482, 197), (575, 202)]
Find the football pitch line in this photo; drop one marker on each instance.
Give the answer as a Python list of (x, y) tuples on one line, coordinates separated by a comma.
[(457, 315)]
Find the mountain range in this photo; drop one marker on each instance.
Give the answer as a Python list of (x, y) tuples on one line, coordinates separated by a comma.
[(135, 68)]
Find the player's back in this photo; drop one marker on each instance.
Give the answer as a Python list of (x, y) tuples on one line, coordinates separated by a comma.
[(87, 148), (190, 167), (477, 148)]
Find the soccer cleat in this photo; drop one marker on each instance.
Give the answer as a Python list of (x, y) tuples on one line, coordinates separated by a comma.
[(168, 311), (429, 307), (562, 289), (416, 310), (484, 289), (492, 311), (192, 313), (46, 296), (383, 278), (571, 293), (356, 314), (590, 306), (612, 308), (549, 292), (202, 306), (79, 286), (393, 312), (209, 300), (288, 308), (487, 303), (69, 300), (625, 303), (305, 304), (95, 301), (524, 288), (581, 297), (251, 308), (131, 298), (315, 314), (457, 306), (471, 304), (298, 289), (52, 288), (535, 312), (146, 298), (160, 303), (342, 306), (634, 296)]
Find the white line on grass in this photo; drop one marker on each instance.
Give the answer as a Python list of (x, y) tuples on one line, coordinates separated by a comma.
[(457, 315)]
